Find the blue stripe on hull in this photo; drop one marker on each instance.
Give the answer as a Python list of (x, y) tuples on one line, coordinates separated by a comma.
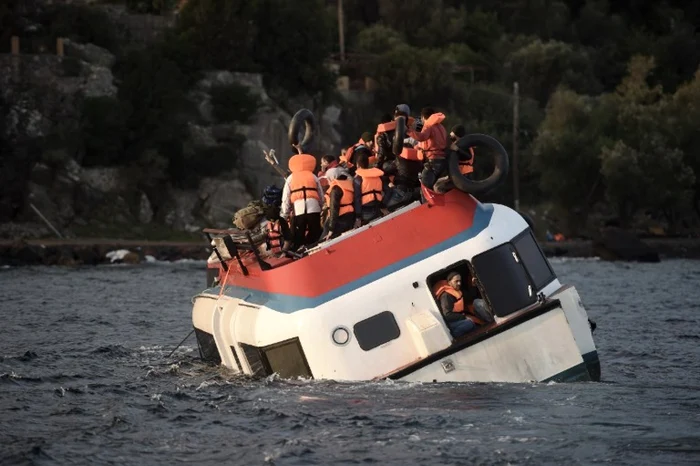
[(289, 304)]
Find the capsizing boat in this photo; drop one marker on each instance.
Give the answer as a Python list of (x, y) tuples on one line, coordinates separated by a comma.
[(361, 307)]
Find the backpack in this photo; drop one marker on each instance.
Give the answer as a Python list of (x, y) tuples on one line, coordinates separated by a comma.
[(249, 216)]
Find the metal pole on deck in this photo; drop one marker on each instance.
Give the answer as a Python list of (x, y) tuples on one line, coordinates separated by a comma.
[(516, 128), (341, 31)]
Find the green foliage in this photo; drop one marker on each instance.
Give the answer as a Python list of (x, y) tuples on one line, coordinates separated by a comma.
[(292, 43), (567, 147), (377, 39), (233, 102), (540, 67), (410, 74)]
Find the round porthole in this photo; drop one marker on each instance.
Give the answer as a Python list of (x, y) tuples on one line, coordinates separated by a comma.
[(341, 336)]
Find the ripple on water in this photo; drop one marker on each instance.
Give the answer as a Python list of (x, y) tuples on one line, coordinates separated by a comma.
[(87, 377)]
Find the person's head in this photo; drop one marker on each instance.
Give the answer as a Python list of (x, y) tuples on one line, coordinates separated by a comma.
[(362, 157), (367, 139), (457, 132), (402, 110), (455, 280), (326, 160), (337, 173), (426, 112)]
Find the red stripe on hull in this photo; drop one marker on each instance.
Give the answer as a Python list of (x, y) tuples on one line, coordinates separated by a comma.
[(364, 253)]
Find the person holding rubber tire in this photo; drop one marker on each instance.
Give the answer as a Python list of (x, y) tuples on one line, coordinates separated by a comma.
[(432, 143)]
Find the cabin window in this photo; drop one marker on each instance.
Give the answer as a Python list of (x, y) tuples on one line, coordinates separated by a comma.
[(286, 358), (376, 330), (504, 280), (533, 259)]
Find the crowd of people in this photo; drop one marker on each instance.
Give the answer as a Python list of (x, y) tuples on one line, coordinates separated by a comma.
[(368, 180)]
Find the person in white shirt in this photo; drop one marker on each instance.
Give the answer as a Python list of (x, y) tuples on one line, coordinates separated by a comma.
[(303, 193)]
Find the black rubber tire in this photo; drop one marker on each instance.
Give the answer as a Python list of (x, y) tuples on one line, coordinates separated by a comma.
[(399, 136), (500, 171), (305, 117)]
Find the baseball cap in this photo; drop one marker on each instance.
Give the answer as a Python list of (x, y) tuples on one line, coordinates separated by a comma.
[(403, 108)]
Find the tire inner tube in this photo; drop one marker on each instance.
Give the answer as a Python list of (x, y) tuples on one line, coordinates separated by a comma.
[(501, 164), (399, 136), (305, 117)]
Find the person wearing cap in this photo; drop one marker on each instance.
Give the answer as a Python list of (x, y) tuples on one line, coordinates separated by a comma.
[(385, 135), (340, 203), (466, 159), (449, 295), (348, 158)]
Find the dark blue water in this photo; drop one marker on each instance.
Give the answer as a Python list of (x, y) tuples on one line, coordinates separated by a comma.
[(85, 378)]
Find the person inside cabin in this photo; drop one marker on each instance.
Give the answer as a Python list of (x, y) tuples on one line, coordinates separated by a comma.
[(476, 305), (432, 142), (339, 203), (466, 159), (369, 188), (449, 295), (303, 195)]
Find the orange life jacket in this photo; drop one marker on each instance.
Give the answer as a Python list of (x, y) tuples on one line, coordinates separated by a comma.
[(444, 287), (348, 153), (410, 153), (434, 147), (302, 182), (346, 202), (467, 166), (391, 125), (274, 234), (371, 184)]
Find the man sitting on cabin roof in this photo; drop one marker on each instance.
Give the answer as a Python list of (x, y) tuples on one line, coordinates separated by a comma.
[(449, 295)]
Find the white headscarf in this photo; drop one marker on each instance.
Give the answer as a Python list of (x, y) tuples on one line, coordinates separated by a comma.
[(336, 172)]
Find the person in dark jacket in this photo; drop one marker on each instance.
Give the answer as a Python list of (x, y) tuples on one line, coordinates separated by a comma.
[(340, 202), (385, 140), (452, 306)]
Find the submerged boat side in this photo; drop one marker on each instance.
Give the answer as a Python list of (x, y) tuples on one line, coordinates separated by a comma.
[(361, 308)]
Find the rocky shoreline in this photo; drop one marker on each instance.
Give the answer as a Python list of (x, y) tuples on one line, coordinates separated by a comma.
[(77, 252)]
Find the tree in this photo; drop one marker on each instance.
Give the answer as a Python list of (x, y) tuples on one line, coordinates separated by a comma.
[(567, 148), (540, 67)]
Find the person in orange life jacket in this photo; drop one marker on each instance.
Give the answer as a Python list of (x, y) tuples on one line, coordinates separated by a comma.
[(348, 158), (452, 305), (384, 139), (303, 193), (327, 162), (279, 236), (370, 188), (432, 142), (339, 203), (466, 159)]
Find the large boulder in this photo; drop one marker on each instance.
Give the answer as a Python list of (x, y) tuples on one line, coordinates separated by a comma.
[(221, 198), (89, 53), (617, 244)]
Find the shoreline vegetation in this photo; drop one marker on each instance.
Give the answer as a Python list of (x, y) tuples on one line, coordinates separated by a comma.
[(88, 251)]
